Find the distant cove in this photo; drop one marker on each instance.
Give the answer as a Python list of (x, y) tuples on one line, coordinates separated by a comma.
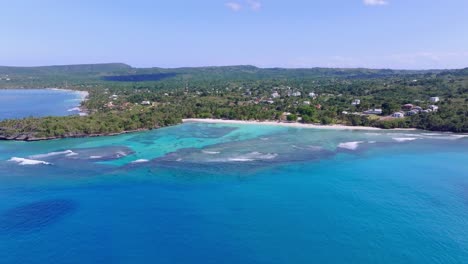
[(21, 103)]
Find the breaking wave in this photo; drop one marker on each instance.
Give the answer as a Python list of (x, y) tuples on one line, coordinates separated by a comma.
[(404, 139), (253, 156), (350, 145), (74, 109), (210, 152), (140, 161), (67, 153), (25, 162)]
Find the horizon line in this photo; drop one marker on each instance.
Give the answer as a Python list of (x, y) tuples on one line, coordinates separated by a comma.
[(235, 65)]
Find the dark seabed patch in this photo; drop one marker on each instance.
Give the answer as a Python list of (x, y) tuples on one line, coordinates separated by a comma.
[(35, 216)]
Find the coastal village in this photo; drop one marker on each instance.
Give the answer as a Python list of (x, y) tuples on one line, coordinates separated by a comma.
[(280, 95)]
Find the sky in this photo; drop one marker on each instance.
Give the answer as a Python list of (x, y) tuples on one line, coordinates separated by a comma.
[(397, 34)]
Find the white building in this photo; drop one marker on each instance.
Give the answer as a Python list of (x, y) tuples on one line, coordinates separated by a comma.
[(296, 94), (417, 108), (275, 95), (434, 108), (356, 102), (412, 113), (307, 102), (146, 103), (434, 99), (375, 111), (312, 95), (398, 115)]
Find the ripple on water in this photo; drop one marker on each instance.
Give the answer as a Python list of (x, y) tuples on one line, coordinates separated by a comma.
[(35, 216)]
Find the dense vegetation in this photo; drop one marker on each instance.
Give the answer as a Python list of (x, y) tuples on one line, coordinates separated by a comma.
[(76, 126), (117, 92)]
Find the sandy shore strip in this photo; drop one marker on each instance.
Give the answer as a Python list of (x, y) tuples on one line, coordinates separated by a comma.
[(285, 124)]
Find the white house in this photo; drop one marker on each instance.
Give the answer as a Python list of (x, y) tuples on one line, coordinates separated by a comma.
[(434, 99), (398, 115), (412, 113), (375, 111), (275, 95), (356, 102), (306, 102), (434, 108), (145, 103), (312, 95), (296, 94)]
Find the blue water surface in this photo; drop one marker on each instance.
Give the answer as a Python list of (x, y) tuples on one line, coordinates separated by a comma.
[(20, 103), (217, 193)]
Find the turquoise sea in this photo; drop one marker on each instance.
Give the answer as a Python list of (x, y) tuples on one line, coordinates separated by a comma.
[(20, 103), (218, 193)]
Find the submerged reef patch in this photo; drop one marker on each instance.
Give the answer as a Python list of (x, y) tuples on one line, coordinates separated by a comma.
[(35, 216)]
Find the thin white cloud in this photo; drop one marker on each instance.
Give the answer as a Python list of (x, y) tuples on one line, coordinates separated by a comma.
[(234, 6), (375, 2), (254, 5)]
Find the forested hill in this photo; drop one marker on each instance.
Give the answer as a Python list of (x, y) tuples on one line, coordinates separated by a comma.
[(94, 74), (67, 69)]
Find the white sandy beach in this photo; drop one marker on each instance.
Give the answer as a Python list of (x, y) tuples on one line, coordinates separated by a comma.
[(285, 124)]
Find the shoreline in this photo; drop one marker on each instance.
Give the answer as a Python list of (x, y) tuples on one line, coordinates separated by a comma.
[(27, 138), (83, 96), (286, 124)]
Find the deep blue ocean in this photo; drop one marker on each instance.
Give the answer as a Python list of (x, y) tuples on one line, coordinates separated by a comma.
[(218, 193), (20, 103)]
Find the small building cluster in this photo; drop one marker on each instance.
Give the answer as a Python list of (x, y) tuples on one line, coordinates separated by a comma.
[(411, 110)]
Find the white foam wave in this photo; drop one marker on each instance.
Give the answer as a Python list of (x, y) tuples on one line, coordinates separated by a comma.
[(350, 145), (210, 152), (240, 159), (74, 109), (95, 157), (459, 136), (253, 156), (140, 161), (404, 139), (432, 134), (120, 154), (25, 162), (67, 153)]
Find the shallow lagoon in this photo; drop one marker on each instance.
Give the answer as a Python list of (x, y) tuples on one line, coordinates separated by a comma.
[(219, 193)]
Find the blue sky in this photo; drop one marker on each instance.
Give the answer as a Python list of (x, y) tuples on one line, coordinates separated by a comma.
[(404, 34)]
